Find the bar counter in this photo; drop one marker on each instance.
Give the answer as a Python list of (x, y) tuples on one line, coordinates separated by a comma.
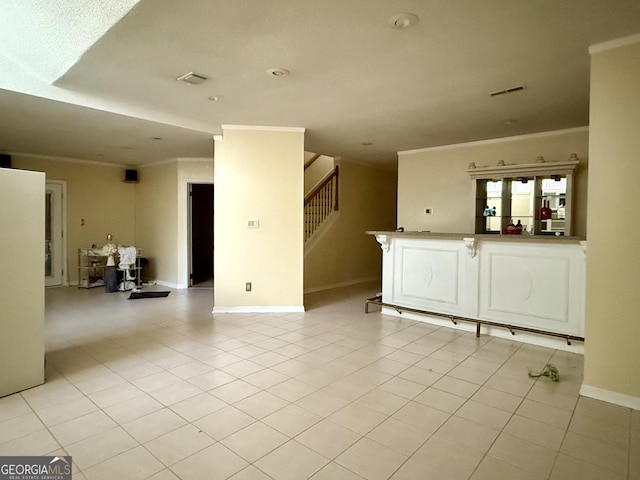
[(525, 287)]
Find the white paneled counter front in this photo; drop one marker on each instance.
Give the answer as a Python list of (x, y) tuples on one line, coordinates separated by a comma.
[(522, 282)]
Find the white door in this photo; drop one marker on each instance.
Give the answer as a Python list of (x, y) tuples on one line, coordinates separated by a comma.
[(53, 241)]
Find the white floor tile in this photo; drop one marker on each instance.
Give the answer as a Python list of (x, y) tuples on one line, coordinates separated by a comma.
[(331, 393)]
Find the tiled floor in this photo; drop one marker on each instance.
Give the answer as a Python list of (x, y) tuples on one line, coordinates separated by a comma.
[(161, 389)]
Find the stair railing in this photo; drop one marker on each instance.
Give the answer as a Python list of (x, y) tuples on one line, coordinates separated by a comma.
[(320, 203)]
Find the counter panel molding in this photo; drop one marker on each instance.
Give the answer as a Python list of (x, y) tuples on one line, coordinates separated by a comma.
[(428, 274), (526, 285)]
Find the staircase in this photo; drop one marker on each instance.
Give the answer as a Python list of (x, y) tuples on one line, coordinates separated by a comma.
[(321, 202)]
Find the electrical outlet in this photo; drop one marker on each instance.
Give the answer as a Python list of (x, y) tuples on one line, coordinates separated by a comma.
[(247, 286), (254, 223), (428, 211)]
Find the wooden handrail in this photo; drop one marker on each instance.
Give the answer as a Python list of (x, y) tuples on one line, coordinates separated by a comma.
[(311, 160), (328, 178)]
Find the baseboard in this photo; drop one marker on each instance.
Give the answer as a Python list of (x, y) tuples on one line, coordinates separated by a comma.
[(610, 397), (348, 283), (177, 286), (260, 309)]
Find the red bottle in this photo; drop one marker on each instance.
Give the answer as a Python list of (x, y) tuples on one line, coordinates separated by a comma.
[(545, 211), (518, 228)]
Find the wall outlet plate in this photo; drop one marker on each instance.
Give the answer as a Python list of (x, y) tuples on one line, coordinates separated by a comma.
[(247, 286), (255, 223), (428, 211)]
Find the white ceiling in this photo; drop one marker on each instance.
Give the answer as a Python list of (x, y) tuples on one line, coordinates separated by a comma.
[(85, 80)]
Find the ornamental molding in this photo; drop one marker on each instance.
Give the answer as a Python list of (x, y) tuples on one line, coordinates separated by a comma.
[(384, 241), (470, 243)]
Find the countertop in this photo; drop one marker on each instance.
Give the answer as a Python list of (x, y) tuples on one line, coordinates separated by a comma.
[(477, 236)]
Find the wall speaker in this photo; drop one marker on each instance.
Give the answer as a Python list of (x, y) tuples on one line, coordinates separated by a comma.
[(5, 161), (131, 176)]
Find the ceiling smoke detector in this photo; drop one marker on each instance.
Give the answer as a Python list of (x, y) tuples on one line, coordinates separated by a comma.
[(403, 20), (277, 72), (193, 78)]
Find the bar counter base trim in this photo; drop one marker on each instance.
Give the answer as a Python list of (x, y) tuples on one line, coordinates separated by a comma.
[(454, 319)]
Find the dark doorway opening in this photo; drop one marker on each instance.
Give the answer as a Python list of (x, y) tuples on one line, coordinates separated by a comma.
[(201, 221)]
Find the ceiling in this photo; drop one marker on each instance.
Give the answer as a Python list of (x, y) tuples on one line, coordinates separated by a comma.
[(97, 82)]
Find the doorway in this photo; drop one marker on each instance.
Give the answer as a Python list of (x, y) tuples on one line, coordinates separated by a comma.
[(201, 234), (54, 245)]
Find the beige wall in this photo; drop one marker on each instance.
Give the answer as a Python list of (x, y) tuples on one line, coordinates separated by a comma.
[(316, 172), (151, 214), (437, 178), (612, 354), (345, 254), (156, 213), (22, 200), (259, 176), (96, 194)]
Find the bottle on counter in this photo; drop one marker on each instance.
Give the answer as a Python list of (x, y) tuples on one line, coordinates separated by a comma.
[(518, 228), (545, 211), (511, 228)]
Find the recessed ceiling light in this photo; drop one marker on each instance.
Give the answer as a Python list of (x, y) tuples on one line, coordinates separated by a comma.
[(213, 99), (193, 78), (157, 138), (403, 20), (509, 122), (277, 72), (367, 144)]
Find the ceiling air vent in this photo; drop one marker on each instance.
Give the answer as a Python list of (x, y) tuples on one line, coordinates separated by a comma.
[(193, 78), (507, 90)]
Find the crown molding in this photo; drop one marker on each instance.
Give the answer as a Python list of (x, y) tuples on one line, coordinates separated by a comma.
[(264, 128), (617, 43), (492, 141), (68, 159), (524, 170)]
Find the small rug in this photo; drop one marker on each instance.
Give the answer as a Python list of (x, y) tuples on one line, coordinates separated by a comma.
[(135, 295)]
